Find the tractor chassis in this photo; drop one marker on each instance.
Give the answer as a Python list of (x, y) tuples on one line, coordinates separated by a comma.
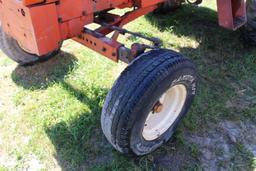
[(98, 41), (40, 26)]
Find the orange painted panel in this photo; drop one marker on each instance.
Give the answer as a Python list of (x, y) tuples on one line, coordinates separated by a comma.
[(147, 3), (33, 2), (232, 13), (1, 13), (70, 9), (41, 27), (46, 27), (30, 2), (107, 4), (76, 26), (16, 22), (34, 28)]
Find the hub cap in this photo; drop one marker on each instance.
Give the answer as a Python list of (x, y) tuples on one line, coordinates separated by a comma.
[(165, 112)]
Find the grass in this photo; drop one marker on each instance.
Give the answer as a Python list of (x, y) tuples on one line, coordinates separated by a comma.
[(50, 113)]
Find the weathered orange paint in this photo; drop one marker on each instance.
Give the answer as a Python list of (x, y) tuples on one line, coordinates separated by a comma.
[(33, 2), (232, 13), (30, 2), (40, 28), (16, 21), (36, 30), (147, 3), (41, 25), (101, 44)]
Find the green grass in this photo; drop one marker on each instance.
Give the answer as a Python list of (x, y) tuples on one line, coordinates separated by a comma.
[(51, 111), (3, 168)]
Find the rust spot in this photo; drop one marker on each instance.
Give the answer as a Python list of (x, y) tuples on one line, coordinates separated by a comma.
[(104, 49), (158, 107), (23, 12)]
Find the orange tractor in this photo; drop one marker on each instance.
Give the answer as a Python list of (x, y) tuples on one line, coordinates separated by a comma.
[(152, 94)]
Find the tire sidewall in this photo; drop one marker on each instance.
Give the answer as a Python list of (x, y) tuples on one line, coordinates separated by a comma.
[(139, 145)]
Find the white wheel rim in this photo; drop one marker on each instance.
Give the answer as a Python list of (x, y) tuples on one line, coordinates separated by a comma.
[(172, 102)]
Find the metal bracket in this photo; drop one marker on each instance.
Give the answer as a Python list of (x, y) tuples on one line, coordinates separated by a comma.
[(232, 13), (157, 43)]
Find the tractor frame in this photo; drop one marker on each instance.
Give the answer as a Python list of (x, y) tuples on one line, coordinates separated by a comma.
[(40, 26)]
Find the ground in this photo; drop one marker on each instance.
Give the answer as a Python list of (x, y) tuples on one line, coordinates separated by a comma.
[(50, 112)]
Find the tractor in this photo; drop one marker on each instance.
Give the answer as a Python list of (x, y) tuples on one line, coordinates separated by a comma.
[(155, 91)]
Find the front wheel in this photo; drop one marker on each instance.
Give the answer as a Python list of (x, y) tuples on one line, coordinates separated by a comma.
[(148, 100)]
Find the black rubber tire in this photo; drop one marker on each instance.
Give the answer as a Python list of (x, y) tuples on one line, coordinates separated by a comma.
[(136, 91), (12, 49), (169, 6), (249, 30)]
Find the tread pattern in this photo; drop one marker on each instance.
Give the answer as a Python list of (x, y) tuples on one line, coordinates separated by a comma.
[(116, 117)]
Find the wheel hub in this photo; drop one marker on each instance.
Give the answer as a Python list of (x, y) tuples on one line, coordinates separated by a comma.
[(165, 112), (158, 107)]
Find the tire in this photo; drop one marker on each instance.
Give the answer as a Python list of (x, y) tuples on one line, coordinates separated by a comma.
[(12, 49), (169, 6), (249, 30), (136, 92)]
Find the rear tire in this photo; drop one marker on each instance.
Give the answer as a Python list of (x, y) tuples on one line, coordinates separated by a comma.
[(249, 30), (135, 94), (12, 49), (169, 6)]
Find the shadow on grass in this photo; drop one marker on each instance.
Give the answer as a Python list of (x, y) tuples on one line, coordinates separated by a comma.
[(225, 67), (80, 143), (41, 75), (221, 61)]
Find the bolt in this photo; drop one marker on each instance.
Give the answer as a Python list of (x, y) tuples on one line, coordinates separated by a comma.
[(104, 49), (60, 20), (84, 13), (23, 12), (158, 107)]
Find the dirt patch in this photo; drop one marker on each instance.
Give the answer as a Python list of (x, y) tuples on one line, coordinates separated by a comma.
[(175, 161), (98, 143), (221, 147), (245, 96)]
